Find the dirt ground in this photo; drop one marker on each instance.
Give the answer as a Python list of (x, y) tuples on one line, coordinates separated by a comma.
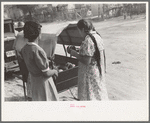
[(126, 54)]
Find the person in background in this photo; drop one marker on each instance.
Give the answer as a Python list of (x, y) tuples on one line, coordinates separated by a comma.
[(18, 31), (19, 27), (89, 13), (91, 71), (42, 85)]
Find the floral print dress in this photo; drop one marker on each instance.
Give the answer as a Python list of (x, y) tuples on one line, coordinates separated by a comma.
[(91, 86)]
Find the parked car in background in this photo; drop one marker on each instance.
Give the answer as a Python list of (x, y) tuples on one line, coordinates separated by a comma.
[(10, 56)]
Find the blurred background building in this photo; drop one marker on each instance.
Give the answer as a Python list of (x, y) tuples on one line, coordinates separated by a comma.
[(68, 12)]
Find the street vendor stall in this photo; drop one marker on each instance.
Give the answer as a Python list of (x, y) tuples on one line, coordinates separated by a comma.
[(52, 35)]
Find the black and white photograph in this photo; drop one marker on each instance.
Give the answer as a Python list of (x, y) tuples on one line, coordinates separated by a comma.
[(78, 56)]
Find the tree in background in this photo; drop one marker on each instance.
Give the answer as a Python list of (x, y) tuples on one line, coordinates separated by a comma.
[(11, 11), (6, 8), (28, 10)]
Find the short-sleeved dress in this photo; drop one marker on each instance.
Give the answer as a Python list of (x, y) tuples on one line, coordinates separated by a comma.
[(43, 88), (91, 86)]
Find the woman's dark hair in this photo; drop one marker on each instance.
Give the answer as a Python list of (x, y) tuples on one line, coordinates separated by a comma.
[(32, 30), (85, 24)]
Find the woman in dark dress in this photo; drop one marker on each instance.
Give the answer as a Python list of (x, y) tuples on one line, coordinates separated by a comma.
[(42, 85)]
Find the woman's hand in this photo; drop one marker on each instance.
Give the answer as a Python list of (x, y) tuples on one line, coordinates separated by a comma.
[(84, 59), (70, 48), (55, 73), (73, 53)]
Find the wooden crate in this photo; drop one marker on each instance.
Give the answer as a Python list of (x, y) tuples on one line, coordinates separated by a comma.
[(67, 78)]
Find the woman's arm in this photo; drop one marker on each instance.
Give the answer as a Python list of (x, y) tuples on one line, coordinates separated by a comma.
[(84, 59), (50, 73), (43, 64)]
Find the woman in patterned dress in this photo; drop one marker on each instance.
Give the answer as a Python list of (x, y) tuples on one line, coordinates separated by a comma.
[(35, 58), (91, 75)]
